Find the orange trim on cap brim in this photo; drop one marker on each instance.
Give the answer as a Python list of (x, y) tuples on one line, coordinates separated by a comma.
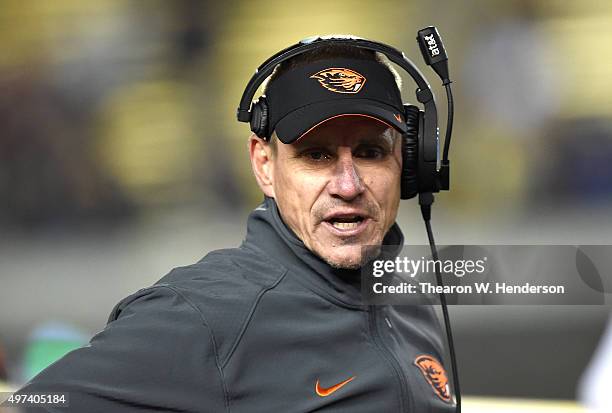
[(338, 116)]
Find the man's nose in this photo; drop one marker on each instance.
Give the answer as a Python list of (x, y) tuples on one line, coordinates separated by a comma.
[(346, 182)]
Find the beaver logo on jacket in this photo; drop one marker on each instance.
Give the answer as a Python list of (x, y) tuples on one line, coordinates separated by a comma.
[(340, 80), (435, 375)]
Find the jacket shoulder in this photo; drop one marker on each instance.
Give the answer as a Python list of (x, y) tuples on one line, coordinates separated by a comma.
[(224, 269), (225, 287)]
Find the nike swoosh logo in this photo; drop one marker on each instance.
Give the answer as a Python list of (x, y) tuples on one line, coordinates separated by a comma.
[(324, 392)]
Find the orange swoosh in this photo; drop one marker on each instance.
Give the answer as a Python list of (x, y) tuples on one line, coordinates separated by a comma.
[(326, 392)]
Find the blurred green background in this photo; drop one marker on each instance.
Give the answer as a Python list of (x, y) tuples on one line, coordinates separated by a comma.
[(120, 155)]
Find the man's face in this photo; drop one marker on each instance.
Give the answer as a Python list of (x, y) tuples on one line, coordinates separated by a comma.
[(338, 187)]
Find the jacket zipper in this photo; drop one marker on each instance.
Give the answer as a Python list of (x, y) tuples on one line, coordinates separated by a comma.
[(391, 359)]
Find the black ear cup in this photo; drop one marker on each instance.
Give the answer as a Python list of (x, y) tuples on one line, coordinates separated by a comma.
[(410, 156), (259, 118)]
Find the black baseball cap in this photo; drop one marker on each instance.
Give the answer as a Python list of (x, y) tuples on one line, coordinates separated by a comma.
[(306, 96)]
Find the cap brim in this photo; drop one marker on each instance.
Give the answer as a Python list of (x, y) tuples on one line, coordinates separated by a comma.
[(301, 121)]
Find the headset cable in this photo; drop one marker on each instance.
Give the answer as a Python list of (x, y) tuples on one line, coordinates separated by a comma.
[(425, 201)]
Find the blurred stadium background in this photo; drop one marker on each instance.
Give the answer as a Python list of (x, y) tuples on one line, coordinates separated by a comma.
[(120, 155)]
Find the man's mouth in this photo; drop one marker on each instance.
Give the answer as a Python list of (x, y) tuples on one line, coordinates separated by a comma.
[(346, 223)]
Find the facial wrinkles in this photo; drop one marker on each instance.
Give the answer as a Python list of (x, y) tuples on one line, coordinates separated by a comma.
[(297, 199)]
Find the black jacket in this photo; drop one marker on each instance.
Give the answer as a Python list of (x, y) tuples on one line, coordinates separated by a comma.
[(266, 327)]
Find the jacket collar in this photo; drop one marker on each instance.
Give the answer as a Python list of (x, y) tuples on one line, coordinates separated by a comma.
[(267, 232)]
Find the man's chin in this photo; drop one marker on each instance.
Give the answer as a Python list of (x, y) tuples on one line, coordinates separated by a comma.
[(344, 266), (345, 259), (345, 253)]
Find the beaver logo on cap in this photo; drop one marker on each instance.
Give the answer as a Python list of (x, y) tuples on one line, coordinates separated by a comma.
[(435, 375), (340, 80)]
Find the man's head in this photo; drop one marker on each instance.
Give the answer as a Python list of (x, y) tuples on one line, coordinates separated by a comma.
[(333, 166)]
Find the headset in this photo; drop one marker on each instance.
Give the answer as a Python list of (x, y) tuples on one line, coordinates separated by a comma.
[(420, 143), (420, 148)]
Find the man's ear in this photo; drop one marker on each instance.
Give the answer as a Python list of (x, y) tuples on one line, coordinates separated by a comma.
[(261, 162)]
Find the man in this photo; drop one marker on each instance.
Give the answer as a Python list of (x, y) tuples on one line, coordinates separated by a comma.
[(279, 324)]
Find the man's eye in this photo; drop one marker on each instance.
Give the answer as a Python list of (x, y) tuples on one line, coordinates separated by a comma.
[(317, 155), (370, 152)]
